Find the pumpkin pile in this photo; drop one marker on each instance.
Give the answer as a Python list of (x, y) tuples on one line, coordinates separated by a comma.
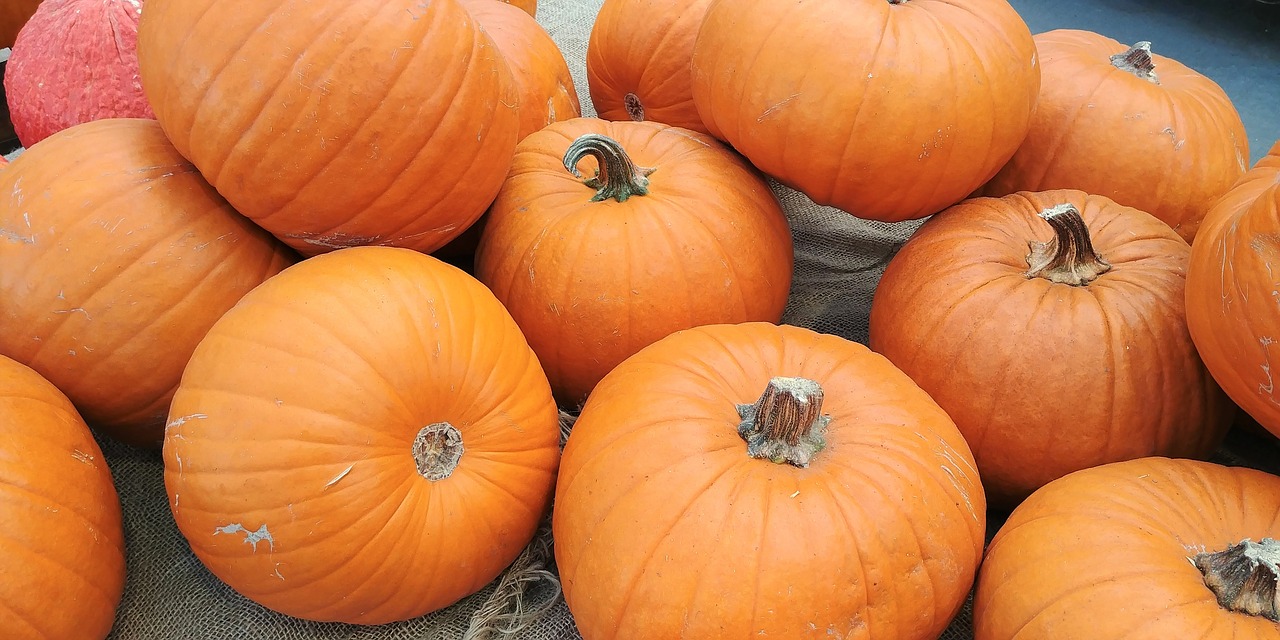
[(348, 266)]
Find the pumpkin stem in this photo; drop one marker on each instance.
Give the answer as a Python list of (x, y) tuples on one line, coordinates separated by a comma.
[(437, 450), (1137, 60), (634, 107), (786, 424), (1243, 577), (1069, 258), (618, 177)]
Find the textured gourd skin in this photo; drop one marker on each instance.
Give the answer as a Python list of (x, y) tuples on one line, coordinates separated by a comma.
[(63, 542), (290, 456), (592, 282), (1231, 291), (1124, 533), (1045, 378), (115, 258), (1168, 148), (665, 527), (888, 110)]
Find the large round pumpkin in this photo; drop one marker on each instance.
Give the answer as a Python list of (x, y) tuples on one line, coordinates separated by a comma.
[(365, 438), (115, 258), (743, 481), (1051, 328), (1231, 291), (638, 61), (75, 61), (1145, 549), (13, 15), (674, 231), (333, 123), (63, 543), (888, 109), (1129, 124)]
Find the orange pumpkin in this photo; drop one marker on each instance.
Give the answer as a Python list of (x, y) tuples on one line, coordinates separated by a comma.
[(332, 123), (528, 6), (638, 61), (63, 543), (14, 14), (754, 480), (1051, 328), (1123, 122), (1151, 548), (422, 439), (890, 110), (1231, 292), (672, 231), (115, 258)]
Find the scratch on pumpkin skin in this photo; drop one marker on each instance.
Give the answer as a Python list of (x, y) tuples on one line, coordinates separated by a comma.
[(86, 458), (14, 236), (75, 310), (1267, 388), (250, 537), (770, 111), (178, 422), (338, 477)]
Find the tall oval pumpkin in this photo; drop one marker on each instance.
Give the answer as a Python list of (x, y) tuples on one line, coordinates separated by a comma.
[(1231, 291), (888, 109), (755, 480), (63, 541), (333, 123), (115, 258), (365, 438)]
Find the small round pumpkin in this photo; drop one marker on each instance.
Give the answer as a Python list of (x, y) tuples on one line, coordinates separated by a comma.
[(115, 258), (754, 480), (13, 15), (75, 61), (1051, 327), (638, 61), (1123, 122), (888, 109), (63, 543), (1152, 548), (365, 438), (671, 230), (332, 123), (1231, 291)]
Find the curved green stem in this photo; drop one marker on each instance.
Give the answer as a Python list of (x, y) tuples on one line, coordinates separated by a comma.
[(618, 177)]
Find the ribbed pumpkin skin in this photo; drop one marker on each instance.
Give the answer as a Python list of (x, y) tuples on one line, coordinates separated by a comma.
[(591, 283), (13, 15), (1231, 305), (332, 123), (540, 72), (115, 258), (887, 111), (1046, 378), (63, 542), (528, 6), (296, 419), (1169, 149), (1102, 554), (645, 48), (666, 528)]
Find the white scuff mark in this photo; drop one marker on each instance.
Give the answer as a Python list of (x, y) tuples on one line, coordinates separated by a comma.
[(338, 477), (26, 217), (86, 458), (795, 494), (74, 310), (277, 572), (771, 110), (250, 537), (14, 236), (178, 422)]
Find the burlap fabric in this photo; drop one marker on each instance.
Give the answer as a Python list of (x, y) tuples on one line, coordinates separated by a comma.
[(170, 595)]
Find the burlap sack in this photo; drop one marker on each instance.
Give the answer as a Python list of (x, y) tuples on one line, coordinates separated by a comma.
[(170, 595)]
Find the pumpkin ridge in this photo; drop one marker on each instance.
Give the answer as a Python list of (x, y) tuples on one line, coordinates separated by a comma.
[(873, 63), (58, 565)]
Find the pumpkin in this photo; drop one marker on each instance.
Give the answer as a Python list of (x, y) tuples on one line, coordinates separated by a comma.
[(14, 14), (75, 61), (638, 61), (1150, 548), (1129, 124), (670, 230), (63, 543), (890, 110), (331, 123), (365, 438), (1051, 327), (528, 6), (734, 481), (1231, 293), (115, 258)]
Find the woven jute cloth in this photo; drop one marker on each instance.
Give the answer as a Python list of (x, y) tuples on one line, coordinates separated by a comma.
[(170, 595)]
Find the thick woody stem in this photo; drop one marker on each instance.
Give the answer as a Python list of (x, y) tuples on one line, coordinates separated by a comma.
[(1069, 258), (1137, 60), (618, 177), (786, 424), (1243, 577)]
